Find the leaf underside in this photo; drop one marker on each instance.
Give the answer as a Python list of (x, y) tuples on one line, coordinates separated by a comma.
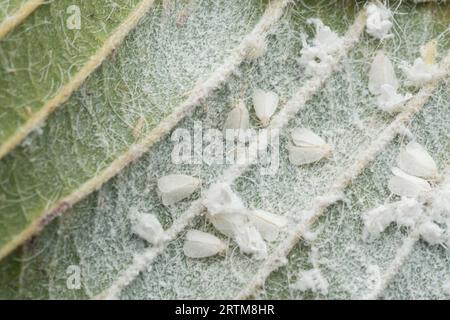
[(96, 233), (97, 124)]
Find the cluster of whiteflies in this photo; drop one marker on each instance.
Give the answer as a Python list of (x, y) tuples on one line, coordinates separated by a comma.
[(251, 228), (305, 146), (422, 208), (171, 189), (265, 104), (237, 124), (383, 82), (248, 228), (226, 212)]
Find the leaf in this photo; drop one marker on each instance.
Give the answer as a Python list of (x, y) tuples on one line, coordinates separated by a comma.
[(99, 120), (95, 235), (48, 56), (13, 12), (382, 73)]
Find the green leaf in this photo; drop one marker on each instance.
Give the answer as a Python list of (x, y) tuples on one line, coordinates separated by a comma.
[(13, 12), (48, 56), (95, 235)]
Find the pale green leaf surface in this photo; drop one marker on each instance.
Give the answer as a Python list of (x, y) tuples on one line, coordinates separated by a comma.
[(96, 234), (427, 281)]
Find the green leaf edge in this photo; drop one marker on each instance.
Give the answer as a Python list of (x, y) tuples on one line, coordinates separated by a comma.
[(18, 16), (66, 91)]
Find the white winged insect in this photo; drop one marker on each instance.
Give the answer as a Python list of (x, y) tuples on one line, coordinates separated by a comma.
[(228, 223), (420, 73), (307, 147), (225, 209), (431, 232), (389, 100), (381, 73), (237, 122), (383, 83), (423, 69), (406, 185), (267, 223), (220, 199), (175, 187), (148, 227), (265, 104), (415, 160), (200, 244), (250, 241)]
